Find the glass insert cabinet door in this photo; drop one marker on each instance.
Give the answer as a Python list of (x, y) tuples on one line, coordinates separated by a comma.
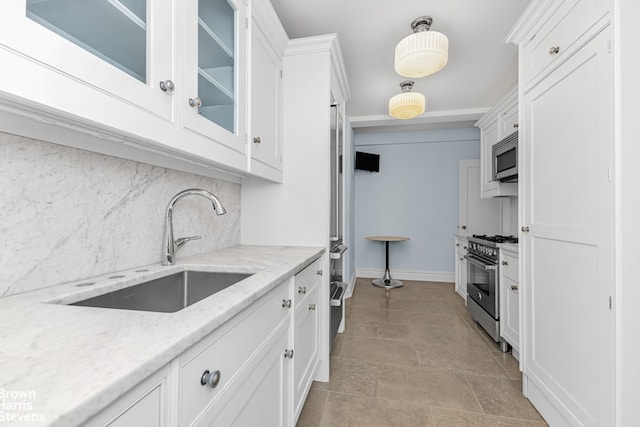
[(105, 43), (215, 69)]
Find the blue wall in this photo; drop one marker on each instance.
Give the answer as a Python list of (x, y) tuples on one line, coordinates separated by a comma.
[(415, 194)]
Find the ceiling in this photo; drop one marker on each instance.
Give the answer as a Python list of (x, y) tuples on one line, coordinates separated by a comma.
[(481, 67)]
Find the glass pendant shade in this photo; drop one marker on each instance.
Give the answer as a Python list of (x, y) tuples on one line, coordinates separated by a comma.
[(406, 105), (422, 53)]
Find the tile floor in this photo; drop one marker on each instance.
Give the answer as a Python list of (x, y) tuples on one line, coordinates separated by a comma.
[(417, 359)]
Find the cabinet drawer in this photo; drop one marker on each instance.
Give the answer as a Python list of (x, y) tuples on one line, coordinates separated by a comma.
[(227, 351), (509, 267), (564, 23), (306, 280)]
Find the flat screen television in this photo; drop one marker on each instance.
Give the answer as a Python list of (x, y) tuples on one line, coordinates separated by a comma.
[(367, 161)]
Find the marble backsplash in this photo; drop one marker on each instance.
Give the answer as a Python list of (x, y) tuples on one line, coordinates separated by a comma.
[(68, 214)]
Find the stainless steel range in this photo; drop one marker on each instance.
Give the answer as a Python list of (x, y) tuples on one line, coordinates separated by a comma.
[(483, 289)]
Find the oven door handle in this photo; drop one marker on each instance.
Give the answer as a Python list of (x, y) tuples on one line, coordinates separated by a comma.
[(479, 263)]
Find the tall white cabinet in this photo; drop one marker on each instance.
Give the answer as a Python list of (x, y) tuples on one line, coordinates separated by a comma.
[(566, 188), (297, 212)]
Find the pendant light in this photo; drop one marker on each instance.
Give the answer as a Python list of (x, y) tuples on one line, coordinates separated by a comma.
[(422, 53), (406, 105)]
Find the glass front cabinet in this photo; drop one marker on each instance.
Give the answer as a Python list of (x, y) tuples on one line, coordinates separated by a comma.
[(215, 70), (170, 76), (107, 44)]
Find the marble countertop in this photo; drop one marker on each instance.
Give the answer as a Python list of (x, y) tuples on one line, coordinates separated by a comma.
[(513, 247), (70, 361)]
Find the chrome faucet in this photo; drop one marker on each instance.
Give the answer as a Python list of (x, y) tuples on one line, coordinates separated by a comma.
[(172, 246)]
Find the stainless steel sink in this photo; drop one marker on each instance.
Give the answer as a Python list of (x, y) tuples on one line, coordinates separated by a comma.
[(167, 294)]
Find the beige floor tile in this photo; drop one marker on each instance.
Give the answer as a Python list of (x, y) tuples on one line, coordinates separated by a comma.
[(509, 364), (313, 409), (359, 411), (375, 350), (503, 397), (457, 339), (443, 417), (444, 358), (441, 317), (425, 387), (353, 377)]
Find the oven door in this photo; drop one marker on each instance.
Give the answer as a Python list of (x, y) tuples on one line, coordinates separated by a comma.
[(482, 284)]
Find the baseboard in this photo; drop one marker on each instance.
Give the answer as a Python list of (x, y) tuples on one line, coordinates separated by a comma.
[(423, 276), (543, 404)]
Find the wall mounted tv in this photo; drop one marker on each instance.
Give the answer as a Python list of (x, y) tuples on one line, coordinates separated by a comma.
[(367, 161)]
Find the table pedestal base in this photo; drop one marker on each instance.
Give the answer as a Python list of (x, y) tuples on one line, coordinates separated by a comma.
[(387, 281)]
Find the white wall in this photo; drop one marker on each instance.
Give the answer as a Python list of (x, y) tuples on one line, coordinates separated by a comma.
[(68, 214), (415, 194)]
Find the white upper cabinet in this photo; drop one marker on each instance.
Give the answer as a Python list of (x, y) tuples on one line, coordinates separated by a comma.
[(101, 44), (215, 41), (150, 81), (500, 122), (268, 42)]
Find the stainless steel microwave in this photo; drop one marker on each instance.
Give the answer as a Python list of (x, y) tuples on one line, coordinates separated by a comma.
[(505, 159)]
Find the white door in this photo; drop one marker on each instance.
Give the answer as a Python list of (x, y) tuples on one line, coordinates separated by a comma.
[(567, 251), (120, 47)]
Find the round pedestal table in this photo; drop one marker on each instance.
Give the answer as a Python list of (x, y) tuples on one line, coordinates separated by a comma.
[(387, 282)]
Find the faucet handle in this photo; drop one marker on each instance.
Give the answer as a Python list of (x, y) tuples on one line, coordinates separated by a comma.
[(182, 240)]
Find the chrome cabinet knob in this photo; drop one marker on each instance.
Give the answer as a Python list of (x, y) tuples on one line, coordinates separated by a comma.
[(210, 378), (302, 290), (286, 303), (319, 272), (461, 258), (465, 248), (257, 140), (312, 306), (515, 126), (195, 102), (167, 86), (505, 263), (457, 244), (525, 229), (553, 50), (514, 287), (288, 354), (464, 227)]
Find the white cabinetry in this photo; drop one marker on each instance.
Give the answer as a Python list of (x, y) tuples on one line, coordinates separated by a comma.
[(567, 205), (461, 267), (145, 405), (233, 354), (298, 212), (265, 137), (306, 334), (475, 214), (215, 58), (499, 122), (141, 80), (105, 45), (509, 299)]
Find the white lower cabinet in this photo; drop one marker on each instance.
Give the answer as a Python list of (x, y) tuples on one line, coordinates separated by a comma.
[(461, 267), (255, 370), (306, 333), (230, 353), (144, 405), (509, 300)]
